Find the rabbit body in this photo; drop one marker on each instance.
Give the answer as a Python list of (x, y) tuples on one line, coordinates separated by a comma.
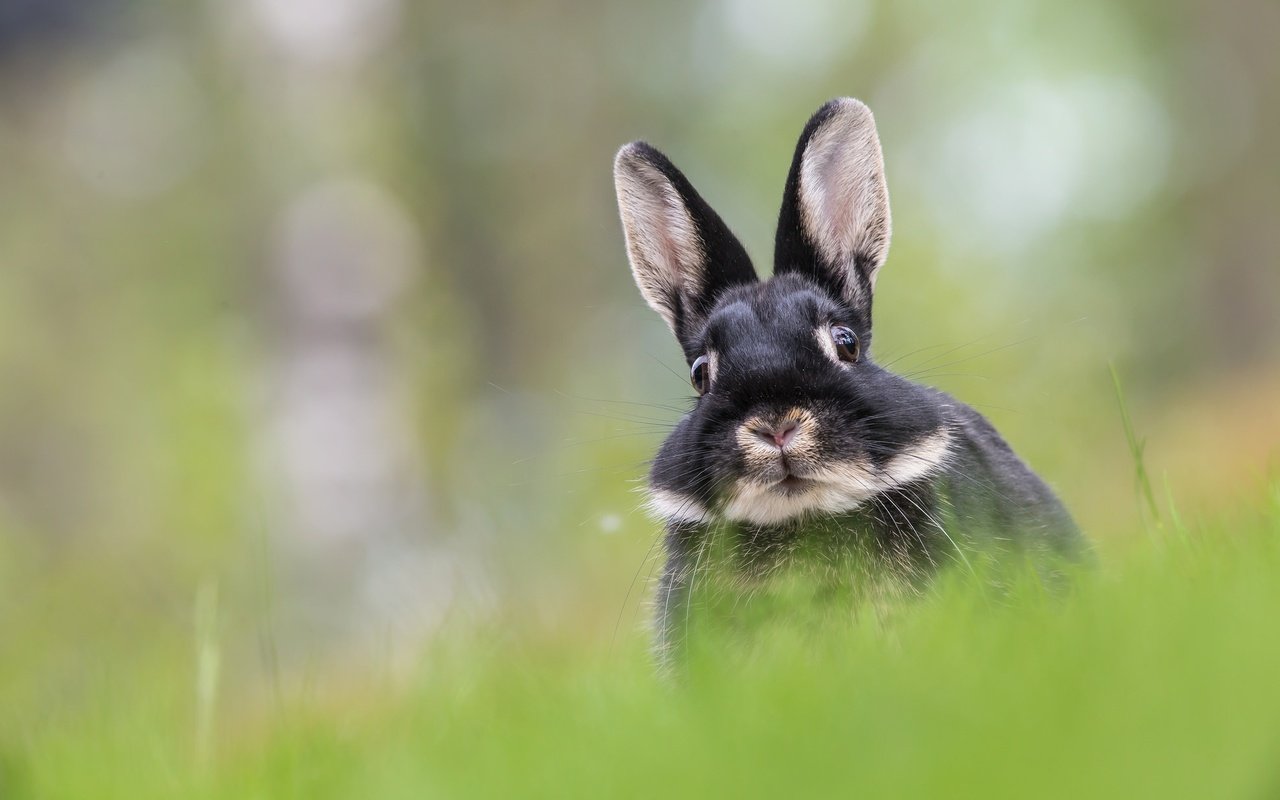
[(797, 436)]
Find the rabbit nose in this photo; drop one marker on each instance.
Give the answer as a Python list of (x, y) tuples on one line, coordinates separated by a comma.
[(779, 435)]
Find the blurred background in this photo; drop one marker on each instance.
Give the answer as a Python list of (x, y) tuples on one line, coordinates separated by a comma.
[(317, 332)]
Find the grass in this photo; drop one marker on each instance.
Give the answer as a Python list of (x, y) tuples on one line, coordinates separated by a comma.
[(1157, 676)]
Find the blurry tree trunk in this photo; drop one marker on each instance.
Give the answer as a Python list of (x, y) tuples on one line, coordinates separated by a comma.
[(1234, 121), (344, 471), (356, 563)]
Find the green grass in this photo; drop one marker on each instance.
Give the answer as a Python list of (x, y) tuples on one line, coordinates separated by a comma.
[(1158, 676)]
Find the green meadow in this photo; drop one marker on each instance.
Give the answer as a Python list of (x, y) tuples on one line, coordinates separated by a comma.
[(1153, 676)]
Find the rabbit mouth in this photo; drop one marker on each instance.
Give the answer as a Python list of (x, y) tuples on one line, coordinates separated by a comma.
[(793, 484), (789, 475), (791, 478)]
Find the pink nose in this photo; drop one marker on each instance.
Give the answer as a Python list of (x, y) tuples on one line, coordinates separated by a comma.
[(779, 435)]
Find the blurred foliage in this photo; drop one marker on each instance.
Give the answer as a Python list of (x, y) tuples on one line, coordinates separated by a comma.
[(293, 294)]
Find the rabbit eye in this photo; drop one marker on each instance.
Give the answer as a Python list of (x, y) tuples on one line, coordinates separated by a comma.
[(847, 345), (700, 374)]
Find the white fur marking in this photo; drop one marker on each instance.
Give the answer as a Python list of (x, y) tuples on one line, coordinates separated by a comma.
[(669, 506), (921, 459), (827, 344)]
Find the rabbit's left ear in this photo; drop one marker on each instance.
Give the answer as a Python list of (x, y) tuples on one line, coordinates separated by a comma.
[(834, 224)]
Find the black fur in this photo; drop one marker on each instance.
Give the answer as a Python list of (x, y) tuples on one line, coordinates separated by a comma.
[(765, 336)]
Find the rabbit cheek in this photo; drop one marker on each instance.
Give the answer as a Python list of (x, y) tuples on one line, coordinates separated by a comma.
[(920, 459), (671, 506)]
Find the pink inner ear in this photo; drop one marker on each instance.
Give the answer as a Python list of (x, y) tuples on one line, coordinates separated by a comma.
[(844, 201), (662, 241)]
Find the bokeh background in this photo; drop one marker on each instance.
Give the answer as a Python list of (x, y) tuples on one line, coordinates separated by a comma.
[(317, 334)]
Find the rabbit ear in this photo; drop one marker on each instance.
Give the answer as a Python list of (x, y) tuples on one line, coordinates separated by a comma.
[(682, 254), (834, 224)]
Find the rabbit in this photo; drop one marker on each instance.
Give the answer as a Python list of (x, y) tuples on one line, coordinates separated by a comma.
[(796, 432)]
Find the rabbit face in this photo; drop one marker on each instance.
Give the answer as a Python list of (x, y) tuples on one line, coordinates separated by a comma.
[(793, 417), (792, 421)]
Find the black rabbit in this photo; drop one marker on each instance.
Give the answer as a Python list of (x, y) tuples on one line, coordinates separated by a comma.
[(796, 432)]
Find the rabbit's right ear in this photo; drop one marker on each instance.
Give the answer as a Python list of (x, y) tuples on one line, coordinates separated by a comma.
[(834, 224), (682, 254)]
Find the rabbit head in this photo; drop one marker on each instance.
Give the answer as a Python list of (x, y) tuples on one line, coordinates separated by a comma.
[(793, 417)]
